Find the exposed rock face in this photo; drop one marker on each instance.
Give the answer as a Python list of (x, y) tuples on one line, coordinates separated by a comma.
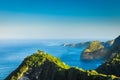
[(112, 66), (108, 44), (42, 66), (95, 50), (99, 54), (115, 48)]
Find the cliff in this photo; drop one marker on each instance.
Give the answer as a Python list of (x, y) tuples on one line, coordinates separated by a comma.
[(112, 66), (42, 66), (115, 48), (95, 50)]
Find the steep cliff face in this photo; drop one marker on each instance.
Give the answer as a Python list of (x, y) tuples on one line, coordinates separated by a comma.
[(115, 48), (95, 50), (100, 50), (99, 54), (108, 44), (42, 66), (112, 66)]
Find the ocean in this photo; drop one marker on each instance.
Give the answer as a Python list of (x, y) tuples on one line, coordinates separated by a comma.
[(13, 52)]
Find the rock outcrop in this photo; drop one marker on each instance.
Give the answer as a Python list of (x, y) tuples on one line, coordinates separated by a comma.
[(108, 44), (112, 66), (95, 50), (115, 48), (42, 66)]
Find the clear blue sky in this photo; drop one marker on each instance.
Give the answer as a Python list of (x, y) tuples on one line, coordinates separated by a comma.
[(59, 19)]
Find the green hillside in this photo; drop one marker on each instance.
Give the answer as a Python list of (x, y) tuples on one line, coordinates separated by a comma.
[(93, 46), (42, 66)]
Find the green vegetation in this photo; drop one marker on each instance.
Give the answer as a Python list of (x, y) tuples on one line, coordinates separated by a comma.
[(35, 60), (94, 46), (43, 66), (112, 66)]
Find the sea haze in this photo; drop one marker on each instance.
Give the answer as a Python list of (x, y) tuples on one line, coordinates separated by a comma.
[(13, 52)]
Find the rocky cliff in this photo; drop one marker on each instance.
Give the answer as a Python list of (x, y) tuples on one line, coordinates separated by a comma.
[(97, 50), (93, 49), (112, 66)]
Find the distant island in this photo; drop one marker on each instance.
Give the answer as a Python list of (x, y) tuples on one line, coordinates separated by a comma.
[(97, 50), (93, 49), (77, 45), (86, 44)]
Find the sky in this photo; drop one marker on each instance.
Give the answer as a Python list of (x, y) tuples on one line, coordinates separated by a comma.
[(59, 19)]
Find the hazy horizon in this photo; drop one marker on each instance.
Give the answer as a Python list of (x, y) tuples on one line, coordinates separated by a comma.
[(38, 19)]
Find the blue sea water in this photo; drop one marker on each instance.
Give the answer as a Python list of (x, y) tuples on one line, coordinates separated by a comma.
[(12, 53)]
